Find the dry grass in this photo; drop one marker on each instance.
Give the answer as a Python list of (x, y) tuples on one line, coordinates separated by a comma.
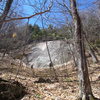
[(65, 89)]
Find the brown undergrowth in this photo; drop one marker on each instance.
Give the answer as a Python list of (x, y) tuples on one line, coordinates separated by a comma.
[(40, 83)]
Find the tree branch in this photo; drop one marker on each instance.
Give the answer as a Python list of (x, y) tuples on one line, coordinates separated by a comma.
[(64, 5), (28, 17)]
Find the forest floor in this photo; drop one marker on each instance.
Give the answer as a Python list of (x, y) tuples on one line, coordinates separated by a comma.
[(40, 83)]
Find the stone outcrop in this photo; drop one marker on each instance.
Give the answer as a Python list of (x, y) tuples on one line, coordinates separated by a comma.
[(38, 54)]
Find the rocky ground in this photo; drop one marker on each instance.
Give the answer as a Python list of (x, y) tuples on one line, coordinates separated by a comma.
[(49, 89)]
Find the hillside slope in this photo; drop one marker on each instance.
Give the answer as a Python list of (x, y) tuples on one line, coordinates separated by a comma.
[(66, 89)]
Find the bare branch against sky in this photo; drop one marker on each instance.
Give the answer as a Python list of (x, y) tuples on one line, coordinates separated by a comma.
[(28, 17)]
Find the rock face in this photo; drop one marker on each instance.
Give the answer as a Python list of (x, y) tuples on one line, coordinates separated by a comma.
[(38, 55)]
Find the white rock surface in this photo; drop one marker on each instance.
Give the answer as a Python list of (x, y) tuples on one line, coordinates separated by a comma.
[(59, 52)]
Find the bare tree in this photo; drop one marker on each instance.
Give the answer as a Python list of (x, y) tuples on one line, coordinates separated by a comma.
[(85, 86), (5, 12), (7, 19), (84, 82), (91, 27)]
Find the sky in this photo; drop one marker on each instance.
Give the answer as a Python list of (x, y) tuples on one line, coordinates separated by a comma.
[(83, 5), (30, 7)]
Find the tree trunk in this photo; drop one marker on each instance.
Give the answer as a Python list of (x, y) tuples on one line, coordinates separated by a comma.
[(5, 12), (84, 82), (91, 50), (93, 55)]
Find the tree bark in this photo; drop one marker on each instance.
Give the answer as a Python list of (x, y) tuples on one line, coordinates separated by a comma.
[(93, 55), (91, 50), (84, 82), (5, 12)]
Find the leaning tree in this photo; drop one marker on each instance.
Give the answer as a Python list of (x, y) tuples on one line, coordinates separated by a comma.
[(84, 82), (85, 90), (5, 12)]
